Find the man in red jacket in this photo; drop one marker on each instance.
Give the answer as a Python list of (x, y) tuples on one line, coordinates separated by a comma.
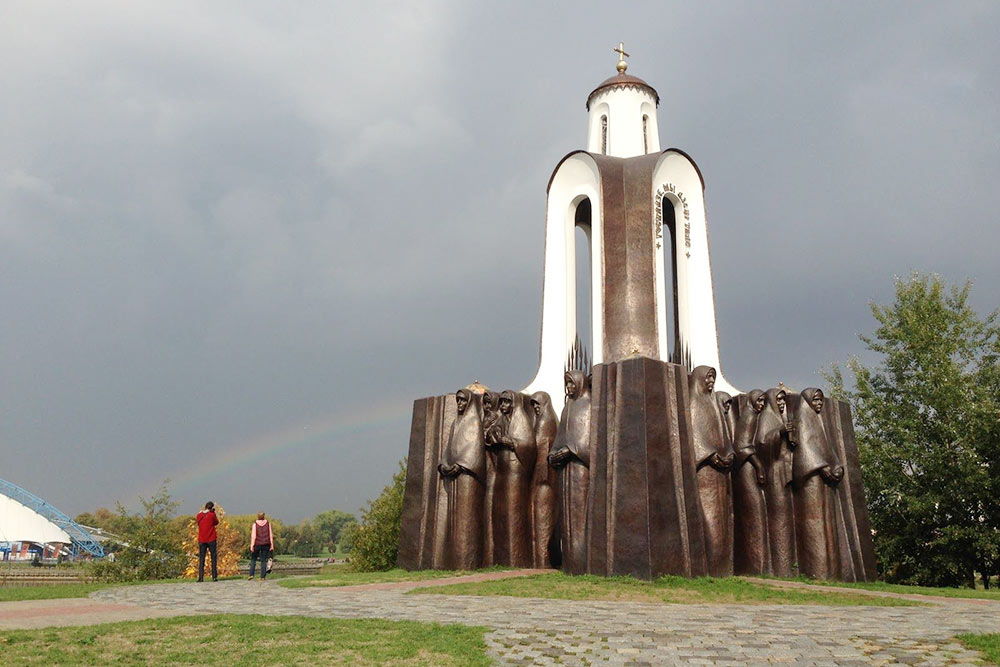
[(207, 540)]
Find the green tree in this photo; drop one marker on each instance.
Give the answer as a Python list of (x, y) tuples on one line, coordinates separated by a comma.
[(928, 430), (308, 541), (153, 546), (102, 518), (376, 538), (329, 525), (346, 542)]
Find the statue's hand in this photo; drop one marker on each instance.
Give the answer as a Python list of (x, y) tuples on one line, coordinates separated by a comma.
[(832, 476), (721, 463), (758, 469), (558, 458), (789, 429)]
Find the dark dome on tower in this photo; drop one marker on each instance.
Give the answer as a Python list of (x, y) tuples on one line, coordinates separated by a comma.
[(623, 80)]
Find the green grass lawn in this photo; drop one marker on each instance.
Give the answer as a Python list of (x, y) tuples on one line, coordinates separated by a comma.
[(54, 591), (979, 594), (342, 575), (677, 590), (228, 639), (50, 591), (987, 643)]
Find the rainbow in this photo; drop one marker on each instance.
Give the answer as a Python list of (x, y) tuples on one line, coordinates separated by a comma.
[(326, 429)]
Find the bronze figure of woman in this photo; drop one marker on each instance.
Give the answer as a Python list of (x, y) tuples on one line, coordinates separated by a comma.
[(815, 474), (751, 550), (544, 510), (492, 431), (515, 461), (463, 472), (714, 459), (773, 449), (571, 457), (730, 412)]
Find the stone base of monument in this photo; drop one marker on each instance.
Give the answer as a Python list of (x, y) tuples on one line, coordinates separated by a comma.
[(857, 550), (643, 517), (421, 535)]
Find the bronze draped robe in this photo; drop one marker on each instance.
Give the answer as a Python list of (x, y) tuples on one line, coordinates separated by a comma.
[(466, 490), (751, 550), (775, 455), (715, 493), (492, 430), (574, 476), (544, 509), (816, 526), (512, 491)]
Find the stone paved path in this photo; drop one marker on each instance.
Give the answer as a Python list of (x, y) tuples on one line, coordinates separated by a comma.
[(536, 631)]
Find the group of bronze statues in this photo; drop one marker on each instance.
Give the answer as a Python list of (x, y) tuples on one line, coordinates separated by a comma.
[(501, 496), (767, 478), (513, 481)]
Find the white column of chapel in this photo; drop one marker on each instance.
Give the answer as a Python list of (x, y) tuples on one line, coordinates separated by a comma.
[(622, 123)]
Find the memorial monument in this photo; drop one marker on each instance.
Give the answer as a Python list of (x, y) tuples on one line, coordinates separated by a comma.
[(655, 464)]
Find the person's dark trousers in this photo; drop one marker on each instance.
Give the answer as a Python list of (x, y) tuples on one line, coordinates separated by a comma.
[(260, 552), (211, 547)]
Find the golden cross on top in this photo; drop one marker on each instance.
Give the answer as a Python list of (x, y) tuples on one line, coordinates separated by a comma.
[(622, 65)]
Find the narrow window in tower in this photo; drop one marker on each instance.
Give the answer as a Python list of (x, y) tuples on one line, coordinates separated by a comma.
[(584, 302), (604, 135), (645, 137), (669, 243)]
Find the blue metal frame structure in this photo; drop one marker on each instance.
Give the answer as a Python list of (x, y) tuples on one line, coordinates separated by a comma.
[(82, 540)]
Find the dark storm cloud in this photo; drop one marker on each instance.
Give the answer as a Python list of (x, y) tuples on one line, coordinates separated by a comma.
[(223, 227)]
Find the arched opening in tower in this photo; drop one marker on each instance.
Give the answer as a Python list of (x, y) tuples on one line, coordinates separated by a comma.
[(669, 249), (584, 302)]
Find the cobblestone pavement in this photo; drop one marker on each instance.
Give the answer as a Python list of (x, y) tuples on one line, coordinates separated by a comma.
[(545, 632)]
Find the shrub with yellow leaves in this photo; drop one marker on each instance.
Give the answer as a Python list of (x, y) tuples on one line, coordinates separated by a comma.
[(230, 547)]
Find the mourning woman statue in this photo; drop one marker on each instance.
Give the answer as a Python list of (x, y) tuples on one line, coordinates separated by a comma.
[(515, 460), (714, 458), (751, 550), (773, 449), (571, 457), (463, 471), (730, 413), (815, 474), (492, 430), (543, 486)]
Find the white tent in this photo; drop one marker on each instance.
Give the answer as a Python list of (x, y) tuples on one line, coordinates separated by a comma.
[(20, 524)]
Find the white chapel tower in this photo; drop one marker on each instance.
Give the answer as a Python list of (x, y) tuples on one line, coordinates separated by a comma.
[(643, 211)]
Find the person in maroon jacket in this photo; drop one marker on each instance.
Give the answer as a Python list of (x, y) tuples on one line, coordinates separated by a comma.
[(207, 540), (261, 544)]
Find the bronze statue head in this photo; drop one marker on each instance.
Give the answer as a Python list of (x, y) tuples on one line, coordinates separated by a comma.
[(814, 397), (756, 400), (702, 380), (576, 383), (779, 399), (490, 399), (462, 398), (725, 401), (539, 401), (507, 402)]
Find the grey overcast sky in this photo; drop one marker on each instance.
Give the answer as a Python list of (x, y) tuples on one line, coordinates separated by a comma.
[(237, 239)]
